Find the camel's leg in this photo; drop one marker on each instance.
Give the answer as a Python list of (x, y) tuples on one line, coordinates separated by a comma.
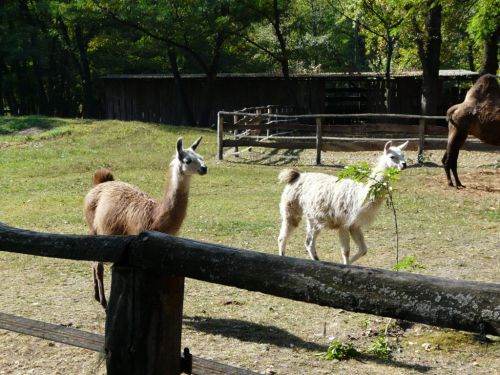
[(99, 283), (358, 238), (312, 234), (456, 140), (345, 245)]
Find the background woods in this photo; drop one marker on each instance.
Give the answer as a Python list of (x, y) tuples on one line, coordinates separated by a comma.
[(53, 53)]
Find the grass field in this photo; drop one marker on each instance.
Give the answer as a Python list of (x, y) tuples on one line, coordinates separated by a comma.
[(46, 166)]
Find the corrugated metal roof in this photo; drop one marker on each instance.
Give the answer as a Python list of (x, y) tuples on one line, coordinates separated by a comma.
[(416, 73)]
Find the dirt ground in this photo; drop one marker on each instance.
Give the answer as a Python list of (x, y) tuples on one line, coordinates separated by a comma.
[(273, 335)]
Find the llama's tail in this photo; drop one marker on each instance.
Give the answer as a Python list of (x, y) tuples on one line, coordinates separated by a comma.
[(288, 176), (102, 175)]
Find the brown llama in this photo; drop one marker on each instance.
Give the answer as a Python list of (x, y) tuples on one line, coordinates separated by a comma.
[(479, 115), (118, 208)]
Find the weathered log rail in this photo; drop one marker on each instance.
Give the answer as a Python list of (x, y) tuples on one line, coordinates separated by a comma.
[(325, 134), (143, 326)]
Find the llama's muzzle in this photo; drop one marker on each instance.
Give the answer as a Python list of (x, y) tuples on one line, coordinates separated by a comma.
[(203, 170), (403, 165)]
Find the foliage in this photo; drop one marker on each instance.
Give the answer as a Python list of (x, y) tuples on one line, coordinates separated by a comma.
[(363, 173), (408, 264), (53, 52), (340, 350), (380, 347)]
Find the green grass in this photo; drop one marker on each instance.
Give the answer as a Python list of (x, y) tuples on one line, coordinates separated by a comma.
[(45, 175)]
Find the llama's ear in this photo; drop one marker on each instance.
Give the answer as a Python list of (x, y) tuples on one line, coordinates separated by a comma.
[(196, 143), (403, 146), (180, 151), (387, 146)]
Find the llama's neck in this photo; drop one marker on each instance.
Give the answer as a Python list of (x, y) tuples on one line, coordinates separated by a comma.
[(172, 209)]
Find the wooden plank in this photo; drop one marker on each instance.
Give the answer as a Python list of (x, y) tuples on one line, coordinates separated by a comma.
[(343, 115), (464, 305), (418, 298), (95, 342), (207, 367), (52, 332), (340, 128), (76, 247)]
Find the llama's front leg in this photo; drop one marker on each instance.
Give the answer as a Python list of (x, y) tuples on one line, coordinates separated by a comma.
[(345, 245), (312, 234), (358, 238)]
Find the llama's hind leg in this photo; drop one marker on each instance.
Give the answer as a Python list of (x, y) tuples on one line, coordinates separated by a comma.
[(358, 238), (312, 233), (288, 225), (98, 272), (345, 246)]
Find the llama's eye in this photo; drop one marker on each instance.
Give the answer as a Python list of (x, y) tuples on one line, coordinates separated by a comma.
[(393, 157), (187, 161)]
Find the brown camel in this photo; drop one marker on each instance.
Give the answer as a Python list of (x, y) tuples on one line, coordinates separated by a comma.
[(479, 115), (117, 208)]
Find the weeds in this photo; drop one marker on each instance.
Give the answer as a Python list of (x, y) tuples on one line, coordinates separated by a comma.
[(409, 264), (340, 350), (380, 347)]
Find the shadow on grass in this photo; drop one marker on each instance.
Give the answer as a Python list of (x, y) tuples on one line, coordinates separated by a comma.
[(363, 357), (274, 158), (9, 125), (258, 333), (250, 332)]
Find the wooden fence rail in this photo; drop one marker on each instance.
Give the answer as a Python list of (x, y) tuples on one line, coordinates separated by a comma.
[(143, 326), (352, 137)]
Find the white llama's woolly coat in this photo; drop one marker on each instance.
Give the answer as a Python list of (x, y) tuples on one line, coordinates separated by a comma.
[(328, 203)]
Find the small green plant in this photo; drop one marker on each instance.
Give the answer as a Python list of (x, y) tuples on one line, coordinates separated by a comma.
[(409, 264), (340, 350), (380, 347)]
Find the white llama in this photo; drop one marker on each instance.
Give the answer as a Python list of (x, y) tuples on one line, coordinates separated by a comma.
[(328, 203), (118, 208)]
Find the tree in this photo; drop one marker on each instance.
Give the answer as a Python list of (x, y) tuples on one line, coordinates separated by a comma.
[(428, 42), (484, 27), (196, 29)]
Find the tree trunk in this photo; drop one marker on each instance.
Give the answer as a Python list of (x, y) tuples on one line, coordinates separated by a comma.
[(431, 59), (90, 108), (183, 106), (490, 58)]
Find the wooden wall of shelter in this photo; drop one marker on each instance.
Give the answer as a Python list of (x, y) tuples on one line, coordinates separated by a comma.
[(153, 98)]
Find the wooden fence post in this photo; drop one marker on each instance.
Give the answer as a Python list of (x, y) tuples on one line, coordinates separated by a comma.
[(319, 140), (235, 133), (421, 137), (144, 323), (220, 135)]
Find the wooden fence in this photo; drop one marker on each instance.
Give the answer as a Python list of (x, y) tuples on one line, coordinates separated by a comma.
[(332, 132), (144, 317)]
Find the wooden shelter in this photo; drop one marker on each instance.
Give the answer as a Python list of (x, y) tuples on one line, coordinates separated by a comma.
[(155, 97)]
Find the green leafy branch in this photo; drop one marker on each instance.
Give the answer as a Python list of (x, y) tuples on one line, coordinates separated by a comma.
[(362, 173)]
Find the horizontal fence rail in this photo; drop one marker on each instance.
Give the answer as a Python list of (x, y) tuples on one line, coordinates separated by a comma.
[(464, 305), (246, 129), (94, 342)]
